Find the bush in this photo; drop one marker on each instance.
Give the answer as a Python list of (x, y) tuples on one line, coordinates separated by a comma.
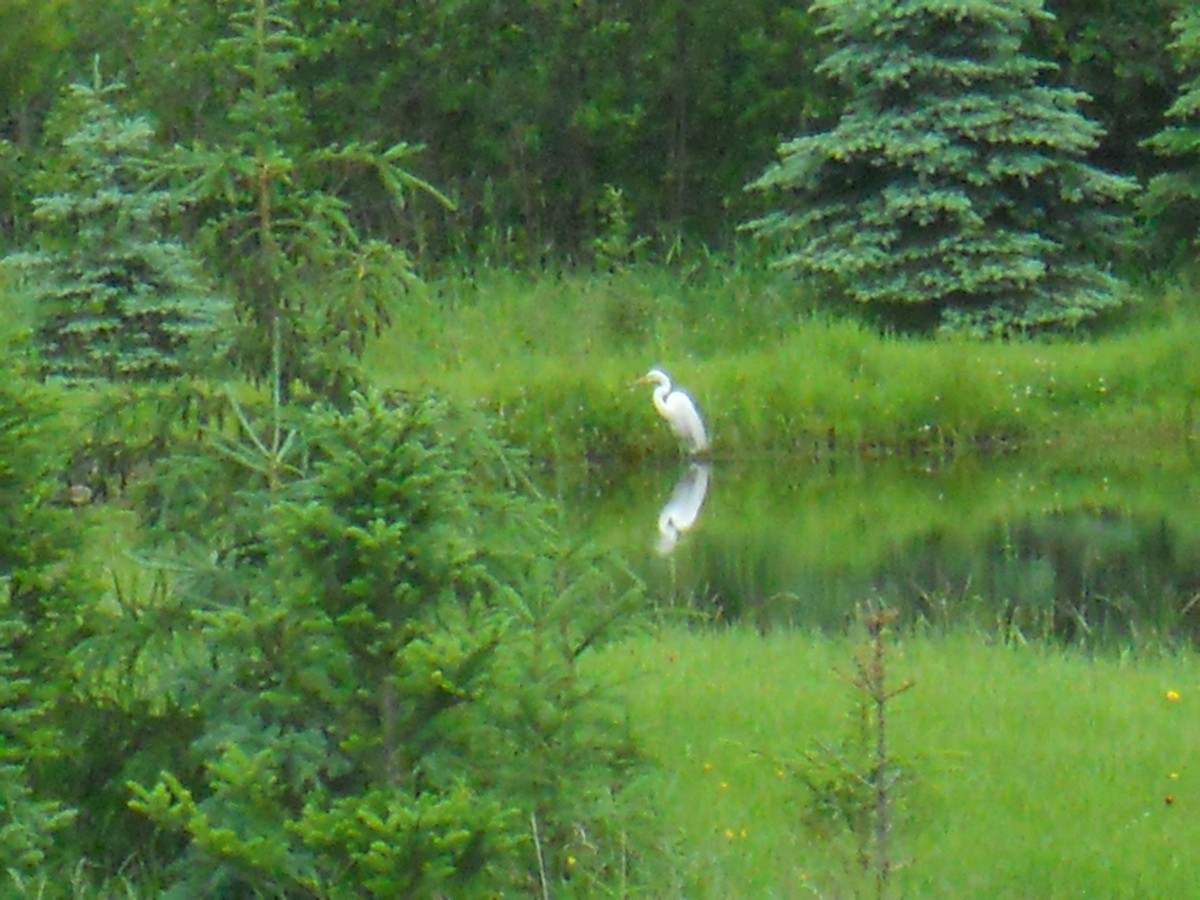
[(390, 698)]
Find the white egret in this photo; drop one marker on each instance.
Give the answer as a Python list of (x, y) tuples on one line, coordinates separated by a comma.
[(679, 409)]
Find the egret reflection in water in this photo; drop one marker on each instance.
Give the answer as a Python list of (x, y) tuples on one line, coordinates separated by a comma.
[(682, 510)]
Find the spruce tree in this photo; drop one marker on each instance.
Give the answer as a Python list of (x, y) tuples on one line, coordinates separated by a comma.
[(1174, 197), (388, 685), (954, 185), (115, 298), (309, 286)]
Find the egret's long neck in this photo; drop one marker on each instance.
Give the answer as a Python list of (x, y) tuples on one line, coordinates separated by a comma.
[(660, 398)]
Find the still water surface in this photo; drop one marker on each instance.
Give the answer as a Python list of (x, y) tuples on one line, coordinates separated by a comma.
[(1078, 549)]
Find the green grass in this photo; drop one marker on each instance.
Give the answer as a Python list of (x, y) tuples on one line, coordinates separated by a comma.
[(555, 356), (1034, 771)]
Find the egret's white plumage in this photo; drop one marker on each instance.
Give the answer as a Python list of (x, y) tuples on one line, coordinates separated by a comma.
[(680, 411)]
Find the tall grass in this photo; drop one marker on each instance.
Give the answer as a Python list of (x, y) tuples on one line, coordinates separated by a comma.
[(1031, 771), (555, 356)]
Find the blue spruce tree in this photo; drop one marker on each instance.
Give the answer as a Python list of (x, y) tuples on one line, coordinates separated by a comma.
[(954, 187)]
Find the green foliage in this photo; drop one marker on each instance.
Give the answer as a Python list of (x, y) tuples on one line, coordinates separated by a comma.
[(271, 218), (116, 299), (28, 823), (113, 301), (1176, 194), (390, 695), (35, 539), (1116, 52), (34, 36), (526, 111), (954, 185), (32, 531), (616, 246)]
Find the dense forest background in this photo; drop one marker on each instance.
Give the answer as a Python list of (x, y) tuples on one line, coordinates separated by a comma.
[(530, 116)]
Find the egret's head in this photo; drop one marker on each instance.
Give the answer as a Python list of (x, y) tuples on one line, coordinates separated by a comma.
[(656, 376)]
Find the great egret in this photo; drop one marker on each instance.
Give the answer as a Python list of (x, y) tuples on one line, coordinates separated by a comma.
[(679, 409)]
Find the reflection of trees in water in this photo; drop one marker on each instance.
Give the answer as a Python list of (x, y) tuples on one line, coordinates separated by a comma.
[(1079, 575), (1071, 576)]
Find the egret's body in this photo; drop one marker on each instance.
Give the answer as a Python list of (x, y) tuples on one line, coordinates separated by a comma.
[(680, 411)]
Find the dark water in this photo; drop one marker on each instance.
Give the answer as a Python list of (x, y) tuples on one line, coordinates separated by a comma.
[(1101, 548)]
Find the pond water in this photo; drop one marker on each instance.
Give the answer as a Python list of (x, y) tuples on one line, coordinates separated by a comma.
[(1045, 546)]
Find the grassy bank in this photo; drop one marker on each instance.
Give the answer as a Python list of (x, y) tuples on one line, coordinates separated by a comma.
[(1028, 771), (554, 356)]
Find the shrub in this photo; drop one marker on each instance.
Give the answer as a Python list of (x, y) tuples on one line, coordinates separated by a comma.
[(391, 700)]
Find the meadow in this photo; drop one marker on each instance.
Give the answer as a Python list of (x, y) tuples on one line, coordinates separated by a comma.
[(1027, 770)]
